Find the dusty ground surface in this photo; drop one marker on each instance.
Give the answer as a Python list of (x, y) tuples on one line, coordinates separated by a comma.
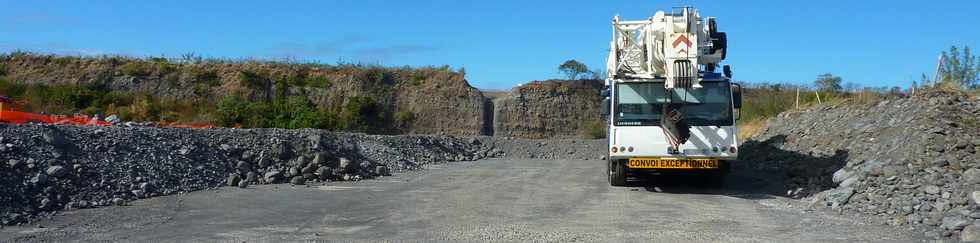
[(487, 200)]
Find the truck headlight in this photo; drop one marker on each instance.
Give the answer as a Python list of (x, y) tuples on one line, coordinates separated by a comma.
[(614, 149), (732, 149)]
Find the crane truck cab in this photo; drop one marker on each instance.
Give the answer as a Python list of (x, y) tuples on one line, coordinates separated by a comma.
[(668, 109)]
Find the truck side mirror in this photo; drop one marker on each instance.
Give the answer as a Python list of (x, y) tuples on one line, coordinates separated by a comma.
[(605, 106), (605, 92), (737, 95), (727, 70)]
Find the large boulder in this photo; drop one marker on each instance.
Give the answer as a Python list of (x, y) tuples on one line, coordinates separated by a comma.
[(233, 179), (838, 196), (972, 176), (298, 180), (58, 171), (344, 164), (971, 233)]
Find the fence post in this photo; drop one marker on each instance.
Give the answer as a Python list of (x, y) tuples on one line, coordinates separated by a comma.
[(797, 97), (818, 97)]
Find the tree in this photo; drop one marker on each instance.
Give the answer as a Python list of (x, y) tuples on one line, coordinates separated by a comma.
[(959, 70), (597, 74), (828, 83), (851, 87), (572, 69), (923, 80)]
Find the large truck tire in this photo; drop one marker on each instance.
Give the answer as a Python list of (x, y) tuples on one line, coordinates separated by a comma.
[(617, 173)]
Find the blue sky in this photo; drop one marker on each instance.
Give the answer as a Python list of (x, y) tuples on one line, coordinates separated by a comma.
[(503, 43)]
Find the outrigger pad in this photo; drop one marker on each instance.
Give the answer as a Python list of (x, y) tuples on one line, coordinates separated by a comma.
[(678, 131)]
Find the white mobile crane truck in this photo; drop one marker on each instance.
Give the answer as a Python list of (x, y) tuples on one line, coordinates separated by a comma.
[(668, 109)]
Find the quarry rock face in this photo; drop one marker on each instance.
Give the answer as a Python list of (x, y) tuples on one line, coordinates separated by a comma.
[(436, 100), (445, 108), (426, 100), (548, 109)]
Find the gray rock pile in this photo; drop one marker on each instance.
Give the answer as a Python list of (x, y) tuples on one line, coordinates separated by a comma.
[(52, 168), (914, 162)]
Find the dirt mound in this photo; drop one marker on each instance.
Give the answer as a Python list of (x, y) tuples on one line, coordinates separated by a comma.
[(913, 161)]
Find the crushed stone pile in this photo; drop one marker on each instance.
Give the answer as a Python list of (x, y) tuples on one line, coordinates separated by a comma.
[(46, 168), (914, 162)]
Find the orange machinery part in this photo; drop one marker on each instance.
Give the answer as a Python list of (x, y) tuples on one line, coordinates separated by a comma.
[(19, 117)]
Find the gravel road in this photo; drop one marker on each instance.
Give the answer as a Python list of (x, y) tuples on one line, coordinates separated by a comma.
[(486, 200)]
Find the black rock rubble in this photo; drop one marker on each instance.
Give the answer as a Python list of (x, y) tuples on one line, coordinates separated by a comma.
[(53, 168), (912, 162)]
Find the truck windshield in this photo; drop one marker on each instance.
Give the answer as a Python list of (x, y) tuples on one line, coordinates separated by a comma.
[(642, 104)]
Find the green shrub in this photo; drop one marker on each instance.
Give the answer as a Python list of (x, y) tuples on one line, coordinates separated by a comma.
[(145, 107), (374, 77), (65, 60), (257, 114), (418, 77), (295, 79), (404, 118), (282, 88), (329, 120), (361, 114), (205, 76), (136, 68), (170, 116), (593, 129), (291, 113), (318, 81), (11, 89), (163, 66), (295, 112), (968, 121), (232, 111), (253, 80)]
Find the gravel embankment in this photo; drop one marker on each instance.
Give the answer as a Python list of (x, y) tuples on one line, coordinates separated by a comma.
[(50, 168), (912, 162)]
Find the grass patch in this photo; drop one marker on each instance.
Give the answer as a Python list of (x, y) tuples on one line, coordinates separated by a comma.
[(318, 81), (136, 69), (749, 129), (404, 119), (968, 121), (593, 129)]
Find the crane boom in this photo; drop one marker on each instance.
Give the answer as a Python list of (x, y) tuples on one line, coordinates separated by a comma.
[(671, 46)]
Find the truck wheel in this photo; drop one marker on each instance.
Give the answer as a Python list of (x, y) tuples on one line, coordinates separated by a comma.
[(617, 173)]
